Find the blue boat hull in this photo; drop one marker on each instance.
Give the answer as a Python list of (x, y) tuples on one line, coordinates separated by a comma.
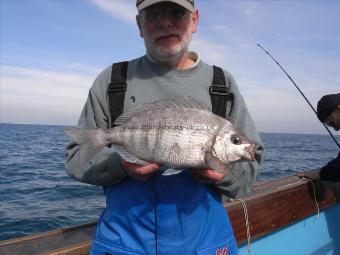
[(314, 235)]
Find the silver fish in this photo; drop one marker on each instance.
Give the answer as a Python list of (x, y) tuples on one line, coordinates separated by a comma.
[(178, 133)]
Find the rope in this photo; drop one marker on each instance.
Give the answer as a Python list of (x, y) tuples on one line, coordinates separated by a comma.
[(245, 212), (316, 202), (314, 192)]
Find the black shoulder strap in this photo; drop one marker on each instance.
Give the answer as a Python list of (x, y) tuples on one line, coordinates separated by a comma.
[(219, 91), (220, 94), (116, 89)]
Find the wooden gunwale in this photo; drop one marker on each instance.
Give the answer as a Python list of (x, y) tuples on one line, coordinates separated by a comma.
[(277, 204), (271, 206)]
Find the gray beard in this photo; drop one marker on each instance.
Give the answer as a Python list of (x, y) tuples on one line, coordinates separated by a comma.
[(167, 55), (162, 54)]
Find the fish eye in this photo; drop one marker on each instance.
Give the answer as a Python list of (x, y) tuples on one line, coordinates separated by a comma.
[(236, 140)]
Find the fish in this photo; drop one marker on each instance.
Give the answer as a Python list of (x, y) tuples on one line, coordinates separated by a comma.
[(178, 133)]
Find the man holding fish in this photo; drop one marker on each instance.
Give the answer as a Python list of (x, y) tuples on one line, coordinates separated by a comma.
[(168, 159)]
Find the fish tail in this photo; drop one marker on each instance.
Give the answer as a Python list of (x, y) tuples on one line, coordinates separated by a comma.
[(90, 142)]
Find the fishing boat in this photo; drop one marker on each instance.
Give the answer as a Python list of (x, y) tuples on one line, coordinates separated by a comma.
[(289, 215)]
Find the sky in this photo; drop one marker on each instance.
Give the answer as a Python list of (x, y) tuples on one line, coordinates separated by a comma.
[(52, 50)]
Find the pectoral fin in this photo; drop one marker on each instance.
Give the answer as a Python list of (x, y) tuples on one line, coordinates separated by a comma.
[(214, 163), (129, 157)]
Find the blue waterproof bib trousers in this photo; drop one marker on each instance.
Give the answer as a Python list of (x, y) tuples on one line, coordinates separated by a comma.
[(165, 215)]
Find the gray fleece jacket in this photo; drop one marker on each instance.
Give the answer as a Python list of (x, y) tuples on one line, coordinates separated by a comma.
[(147, 82)]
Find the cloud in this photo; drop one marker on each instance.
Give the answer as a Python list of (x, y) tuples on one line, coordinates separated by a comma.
[(79, 68), (209, 51), (123, 10), (251, 9), (30, 95)]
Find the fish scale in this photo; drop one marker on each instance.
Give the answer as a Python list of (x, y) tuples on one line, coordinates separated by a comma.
[(161, 131)]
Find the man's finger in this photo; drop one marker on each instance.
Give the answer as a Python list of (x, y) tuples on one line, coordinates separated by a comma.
[(312, 175), (139, 172), (207, 175), (147, 169), (212, 175)]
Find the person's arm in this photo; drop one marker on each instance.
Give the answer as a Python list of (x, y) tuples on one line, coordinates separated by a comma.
[(331, 171), (104, 168), (244, 174)]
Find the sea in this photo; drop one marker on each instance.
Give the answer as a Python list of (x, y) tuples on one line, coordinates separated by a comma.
[(37, 195)]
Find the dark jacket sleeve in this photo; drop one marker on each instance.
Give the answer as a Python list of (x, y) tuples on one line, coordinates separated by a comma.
[(331, 171)]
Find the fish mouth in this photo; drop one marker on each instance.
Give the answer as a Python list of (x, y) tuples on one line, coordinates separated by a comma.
[(251, 149)]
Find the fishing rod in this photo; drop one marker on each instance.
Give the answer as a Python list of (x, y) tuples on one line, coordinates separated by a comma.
[(296, 86)]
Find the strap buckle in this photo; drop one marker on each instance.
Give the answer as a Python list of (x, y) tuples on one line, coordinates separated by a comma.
[(117, 87), (220, 90)]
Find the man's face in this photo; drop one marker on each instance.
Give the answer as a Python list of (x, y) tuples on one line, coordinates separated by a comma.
[(334, 119), (167, 29)]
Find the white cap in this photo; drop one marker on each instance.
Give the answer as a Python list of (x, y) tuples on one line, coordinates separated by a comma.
[(188, 4)]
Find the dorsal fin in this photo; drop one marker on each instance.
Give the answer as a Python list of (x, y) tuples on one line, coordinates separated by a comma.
[(176, 102)]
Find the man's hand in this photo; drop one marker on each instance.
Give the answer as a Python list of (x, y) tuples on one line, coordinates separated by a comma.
[(139, 172), (208, 176), (311, 175)]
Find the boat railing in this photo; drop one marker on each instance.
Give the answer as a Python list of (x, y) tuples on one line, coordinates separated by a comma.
[(271, 206)]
